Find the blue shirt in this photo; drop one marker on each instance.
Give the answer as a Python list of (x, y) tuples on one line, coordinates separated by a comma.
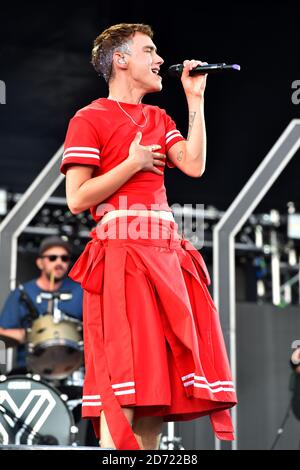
[(14, 311)]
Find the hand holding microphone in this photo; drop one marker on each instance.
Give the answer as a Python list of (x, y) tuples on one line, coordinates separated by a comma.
[(195, 68), (193, 85)]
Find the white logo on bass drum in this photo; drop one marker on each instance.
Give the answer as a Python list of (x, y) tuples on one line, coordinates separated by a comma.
[(31, 415)]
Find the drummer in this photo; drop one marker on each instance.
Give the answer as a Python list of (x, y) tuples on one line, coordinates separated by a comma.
[(53, 261)]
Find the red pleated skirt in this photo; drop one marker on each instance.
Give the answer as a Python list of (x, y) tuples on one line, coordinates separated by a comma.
[(152, 336)]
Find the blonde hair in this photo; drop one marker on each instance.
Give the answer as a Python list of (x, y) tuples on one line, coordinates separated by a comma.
[(115, 38)]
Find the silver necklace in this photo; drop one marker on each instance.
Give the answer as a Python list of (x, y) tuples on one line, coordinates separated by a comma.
[(139, 125)]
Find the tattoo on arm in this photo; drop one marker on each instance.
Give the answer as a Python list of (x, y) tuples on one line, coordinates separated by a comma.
[(191, 122), (180, 155)]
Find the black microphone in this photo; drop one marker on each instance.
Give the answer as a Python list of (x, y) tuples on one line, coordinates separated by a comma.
[(176, 70)]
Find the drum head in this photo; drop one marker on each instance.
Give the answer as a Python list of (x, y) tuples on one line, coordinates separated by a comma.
[(54, 349), (32, 412), (54, 362)]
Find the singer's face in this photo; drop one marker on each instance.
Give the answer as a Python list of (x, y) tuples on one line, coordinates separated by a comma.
[(144, 64), (54, 261)]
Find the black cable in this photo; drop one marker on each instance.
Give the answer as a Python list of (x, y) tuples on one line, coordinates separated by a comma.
[(281, 429)]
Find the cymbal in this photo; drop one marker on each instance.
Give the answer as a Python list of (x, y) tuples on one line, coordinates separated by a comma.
[(9, 341)]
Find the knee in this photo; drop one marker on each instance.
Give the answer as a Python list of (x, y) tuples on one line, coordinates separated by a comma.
[(150, 424)]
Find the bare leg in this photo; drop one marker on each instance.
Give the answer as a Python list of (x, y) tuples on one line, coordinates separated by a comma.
[(105, 436), (148, 431)]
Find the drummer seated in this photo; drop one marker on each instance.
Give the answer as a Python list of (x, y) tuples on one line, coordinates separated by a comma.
[(53, 261)]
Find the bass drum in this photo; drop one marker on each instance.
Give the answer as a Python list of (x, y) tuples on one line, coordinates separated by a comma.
[(33, 412)]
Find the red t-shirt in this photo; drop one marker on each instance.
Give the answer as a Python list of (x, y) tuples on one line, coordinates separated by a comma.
[(100, 135)]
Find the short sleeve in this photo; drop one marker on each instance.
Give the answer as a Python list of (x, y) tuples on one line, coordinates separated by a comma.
[(173, 135), (12, 312), (82, 146)]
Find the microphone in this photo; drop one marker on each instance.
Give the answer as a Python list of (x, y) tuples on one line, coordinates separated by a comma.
[(176, 70)]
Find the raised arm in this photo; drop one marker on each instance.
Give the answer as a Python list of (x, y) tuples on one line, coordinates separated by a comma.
[(190, 155)]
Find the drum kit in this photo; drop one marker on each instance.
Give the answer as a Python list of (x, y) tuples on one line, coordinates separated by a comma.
[(38, 407)]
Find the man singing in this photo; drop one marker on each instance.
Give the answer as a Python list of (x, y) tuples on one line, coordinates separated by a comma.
[(154, 349)]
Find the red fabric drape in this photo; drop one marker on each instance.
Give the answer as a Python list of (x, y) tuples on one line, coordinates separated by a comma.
[(174, 277)]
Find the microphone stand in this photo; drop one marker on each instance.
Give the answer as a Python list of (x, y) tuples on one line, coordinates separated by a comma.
[(170, 441), (33, 312)]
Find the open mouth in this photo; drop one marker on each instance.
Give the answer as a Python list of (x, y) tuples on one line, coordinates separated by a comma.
[(155, 71)]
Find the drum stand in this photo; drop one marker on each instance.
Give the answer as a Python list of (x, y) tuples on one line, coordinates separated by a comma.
[(8, 354), (170, 441), (54, 298)]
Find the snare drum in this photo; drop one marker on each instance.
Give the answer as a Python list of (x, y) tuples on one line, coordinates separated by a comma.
[(54, 349), (33, 412)]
